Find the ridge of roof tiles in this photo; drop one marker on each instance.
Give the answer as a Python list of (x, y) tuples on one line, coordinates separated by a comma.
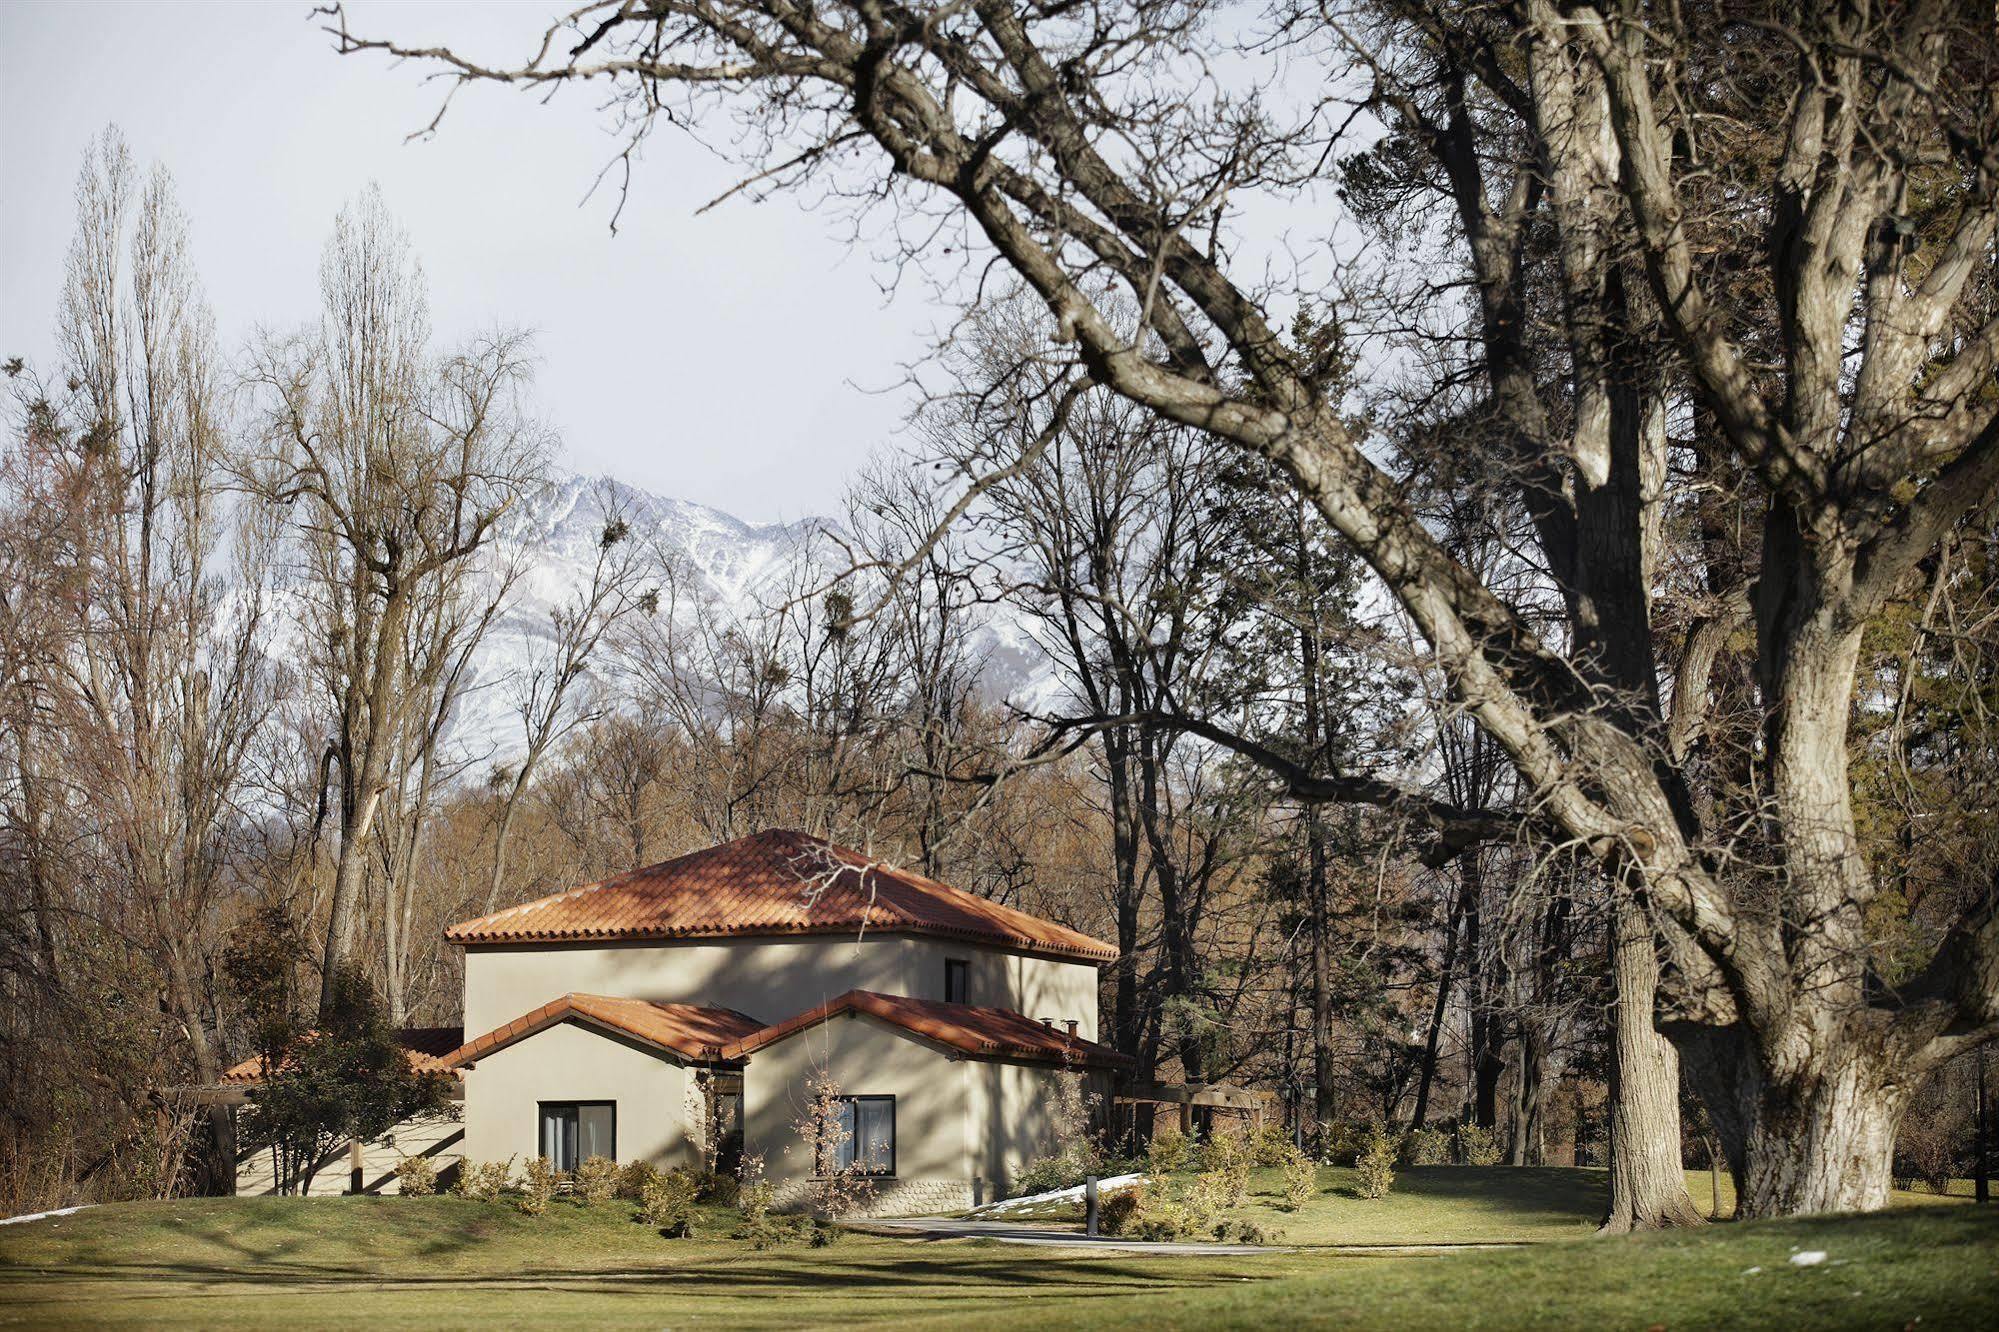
[(424, 1046), (983, 1032), (778, 882), (692, 1031)]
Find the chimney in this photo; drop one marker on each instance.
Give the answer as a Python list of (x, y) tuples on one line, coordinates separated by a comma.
[(1072, 1029)]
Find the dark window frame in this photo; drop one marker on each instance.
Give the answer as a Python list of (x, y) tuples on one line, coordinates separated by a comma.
[(541, 1120), (853, 1142), (960, 969)]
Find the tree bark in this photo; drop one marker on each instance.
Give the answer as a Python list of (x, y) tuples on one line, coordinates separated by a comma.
[(1648, 1187)]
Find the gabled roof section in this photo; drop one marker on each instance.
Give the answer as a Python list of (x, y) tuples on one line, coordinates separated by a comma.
[(692, 1033), (982, 1033), (424, 1046), (774, 883)]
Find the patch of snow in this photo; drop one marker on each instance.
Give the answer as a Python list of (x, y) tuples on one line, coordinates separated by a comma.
[(1111, 1185), (42, 1216), (1809, 1258), (1751, 1271)]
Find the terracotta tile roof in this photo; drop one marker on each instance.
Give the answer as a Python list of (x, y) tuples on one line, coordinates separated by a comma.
[(773, 883), (424, 1045), (687, 1030), (987, 1033)]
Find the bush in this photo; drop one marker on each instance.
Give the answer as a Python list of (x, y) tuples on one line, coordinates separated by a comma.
[(1045, 1174), (1168, 1152), (482, 1182), (759, 1225), (597, 1180), (1477, 1145), (416, 1177), (1340, 1142), (632, 1180), (1211, 1194), (1426, 1147), (1245, 1232), (667, 1201), (1271, 1145), (1227, 1158), (1374, 1167), (722, 1190), (1301, 1179), (1115, 1212), (1161, 1218), (539, 1181)]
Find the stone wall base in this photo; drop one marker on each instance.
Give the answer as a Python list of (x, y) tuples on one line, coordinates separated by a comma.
[(893, 1197)]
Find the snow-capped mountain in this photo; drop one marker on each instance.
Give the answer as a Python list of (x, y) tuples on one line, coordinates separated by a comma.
[(733, 566)]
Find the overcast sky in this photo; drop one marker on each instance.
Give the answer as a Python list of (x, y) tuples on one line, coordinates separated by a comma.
[(735, 358)]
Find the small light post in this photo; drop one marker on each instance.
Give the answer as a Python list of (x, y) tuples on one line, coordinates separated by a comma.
[(1090, 1206)]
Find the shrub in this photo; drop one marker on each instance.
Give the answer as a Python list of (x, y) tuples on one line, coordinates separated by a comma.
[(1230, 1156), (484, 1181), (597, 1180), (633, 1178), (1340, 1142), (1168, 1152), (1271, 1145), (1301, 1179), (759, 1225), (539, 1180), (1426, 1147), (1045, 1174), (1478, 1146), (416, 1177), (1208, 1197), (1374, 1167), (1161, 1218), (1245, 1232), (716, 1188), (667, 1201), (1115, 1212)]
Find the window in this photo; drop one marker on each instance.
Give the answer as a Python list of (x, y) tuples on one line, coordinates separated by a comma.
[(868, 1125), (574, 1131), (957, 981)]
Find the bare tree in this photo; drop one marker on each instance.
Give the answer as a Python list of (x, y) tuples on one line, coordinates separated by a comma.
[(545, 692), (147, 674), (398, 465)]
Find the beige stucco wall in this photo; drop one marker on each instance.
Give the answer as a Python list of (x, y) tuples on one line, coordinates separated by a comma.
[(573, 1062), (962, 1125), (256, 1175), (770, 979), (1016, 1113)]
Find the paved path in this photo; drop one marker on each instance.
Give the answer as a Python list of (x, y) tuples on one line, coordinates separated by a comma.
[(1015, 1232)]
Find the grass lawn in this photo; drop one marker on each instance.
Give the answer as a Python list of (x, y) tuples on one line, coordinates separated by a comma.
[(447, 1262), (1448, 1205)]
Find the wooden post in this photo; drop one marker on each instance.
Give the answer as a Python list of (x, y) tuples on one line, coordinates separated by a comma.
[(1981, 1170), (355, 1183), (1187, 1119)]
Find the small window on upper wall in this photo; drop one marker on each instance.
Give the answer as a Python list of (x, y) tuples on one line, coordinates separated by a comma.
[(957, 981)]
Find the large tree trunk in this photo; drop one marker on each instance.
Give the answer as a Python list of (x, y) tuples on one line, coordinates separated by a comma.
[(1824, 1144), (1648, 1188)]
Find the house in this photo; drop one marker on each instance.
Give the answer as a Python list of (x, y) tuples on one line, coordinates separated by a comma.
[(685, 1008)]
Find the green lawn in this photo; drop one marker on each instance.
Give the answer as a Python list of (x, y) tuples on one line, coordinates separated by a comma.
[(1449, 1205), (446, 1262)]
